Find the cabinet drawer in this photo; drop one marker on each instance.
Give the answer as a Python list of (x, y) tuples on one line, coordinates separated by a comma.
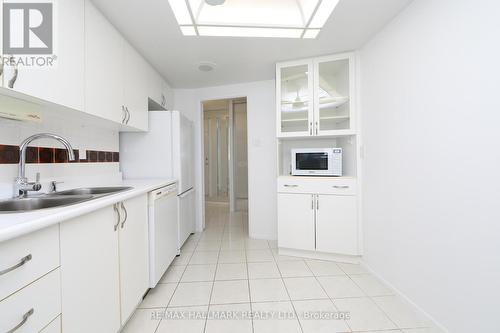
[(317, 185), (33, 307), (25, 259)]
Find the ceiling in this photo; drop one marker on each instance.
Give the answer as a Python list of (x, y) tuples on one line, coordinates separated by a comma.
[(152, 28)]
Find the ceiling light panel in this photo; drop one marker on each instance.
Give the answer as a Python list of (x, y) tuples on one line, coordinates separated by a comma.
[(253, 18)]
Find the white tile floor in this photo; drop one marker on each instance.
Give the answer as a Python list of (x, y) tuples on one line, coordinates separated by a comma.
[(244, 285)]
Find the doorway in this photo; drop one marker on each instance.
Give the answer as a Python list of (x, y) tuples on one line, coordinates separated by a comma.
[(225, 153)]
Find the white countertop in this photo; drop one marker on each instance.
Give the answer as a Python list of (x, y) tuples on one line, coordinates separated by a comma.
[(13, 225)]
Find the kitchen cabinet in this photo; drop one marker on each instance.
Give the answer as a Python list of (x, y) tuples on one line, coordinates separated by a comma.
[(336, 224), (186, 215), (104, 66), (134, 255), (296, 221), (318, 216), (104, 266), (63, 82), (316, 97), (90, 271), (116, 80)]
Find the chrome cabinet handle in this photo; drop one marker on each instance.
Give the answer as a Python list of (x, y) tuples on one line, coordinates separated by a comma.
[(287, 185), (128, 115), (311, 128), (25, 319), (126, 214), (317, 128), (124, 114), (312, 202), (317, 202), (13, 80), (341, 187), (115, 208), (16, 266)]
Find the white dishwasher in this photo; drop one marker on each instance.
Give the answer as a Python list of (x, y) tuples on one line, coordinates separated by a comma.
[(163, 231)]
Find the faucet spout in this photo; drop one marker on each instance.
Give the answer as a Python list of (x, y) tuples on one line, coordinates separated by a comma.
[(22, 186)]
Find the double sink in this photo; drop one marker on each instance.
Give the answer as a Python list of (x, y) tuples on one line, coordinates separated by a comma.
[(57, 199)]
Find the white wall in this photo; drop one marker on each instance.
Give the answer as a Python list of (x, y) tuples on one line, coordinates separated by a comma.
[(431, 114), (261, 148)]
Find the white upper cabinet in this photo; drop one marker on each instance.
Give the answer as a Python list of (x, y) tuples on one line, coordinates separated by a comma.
[(62, 83), (315, 97), (135, 98), (104, 66)]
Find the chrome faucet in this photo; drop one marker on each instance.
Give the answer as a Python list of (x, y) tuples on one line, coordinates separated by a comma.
[(21, 184)]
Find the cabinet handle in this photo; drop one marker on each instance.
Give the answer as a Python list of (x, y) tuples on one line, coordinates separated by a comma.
[(13, 80), (126, 214), (311, 128), (312, 202), (317, 128), (341, 186), (128, 115), (288, 185), (25, 319), (317, 202), (16, 266), (124, 114), (115, 208)]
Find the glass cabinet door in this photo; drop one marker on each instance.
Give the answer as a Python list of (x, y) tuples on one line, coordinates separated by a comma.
[(295, 100), (333, 89)]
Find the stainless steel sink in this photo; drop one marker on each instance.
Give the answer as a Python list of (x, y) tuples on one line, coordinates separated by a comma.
[(93, 190), (41, 202), (57, 199)]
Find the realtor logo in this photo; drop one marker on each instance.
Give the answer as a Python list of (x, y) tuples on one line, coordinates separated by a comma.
[(28, 28)]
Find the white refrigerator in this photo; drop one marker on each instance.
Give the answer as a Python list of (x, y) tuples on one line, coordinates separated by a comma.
[(166, 151)]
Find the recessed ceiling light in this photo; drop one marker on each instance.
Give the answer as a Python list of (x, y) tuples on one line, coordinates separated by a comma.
[(250, 18), (206, 66), (215, 2)]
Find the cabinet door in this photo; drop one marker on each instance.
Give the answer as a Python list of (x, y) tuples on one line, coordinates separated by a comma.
[(294, 98), (296, 221), (167, 96), (103, 66), (90, 282), (334, 86), (63, 81), (134, 254), (135, 88), (155, 85), (337, 224)]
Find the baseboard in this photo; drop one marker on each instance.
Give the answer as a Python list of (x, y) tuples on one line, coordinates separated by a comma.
[(320, 255), (406, 298)]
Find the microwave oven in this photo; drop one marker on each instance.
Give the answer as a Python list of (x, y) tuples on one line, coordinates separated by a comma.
[(317, 162)]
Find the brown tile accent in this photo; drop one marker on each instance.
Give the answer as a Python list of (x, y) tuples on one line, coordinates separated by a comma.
[(46, 155), (32, 155), (109, 156), (101, 156), (92, 156), (9, 154)]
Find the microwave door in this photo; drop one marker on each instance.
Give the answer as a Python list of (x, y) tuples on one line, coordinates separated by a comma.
[(311, 163)]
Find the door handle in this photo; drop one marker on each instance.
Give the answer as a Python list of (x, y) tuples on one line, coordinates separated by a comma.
[(26, 316), (23, 261), (115, 208), (13, 80), (126, 214)]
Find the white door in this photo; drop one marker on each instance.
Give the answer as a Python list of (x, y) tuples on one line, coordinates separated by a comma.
[(90, 285), (296, 221), (337, 224), (135, 88), (103, 67), (186, 154), (63, 82), (134, 254), (186, 215)]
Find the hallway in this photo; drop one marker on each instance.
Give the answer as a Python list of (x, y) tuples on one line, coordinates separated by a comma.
[(243, 285)]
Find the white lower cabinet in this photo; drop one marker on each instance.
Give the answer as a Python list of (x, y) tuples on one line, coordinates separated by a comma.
[(296, 221), (53, 327), (337, 224), (90, 273), (33, 307), (186, 216), (320, 222), (134, 255)]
